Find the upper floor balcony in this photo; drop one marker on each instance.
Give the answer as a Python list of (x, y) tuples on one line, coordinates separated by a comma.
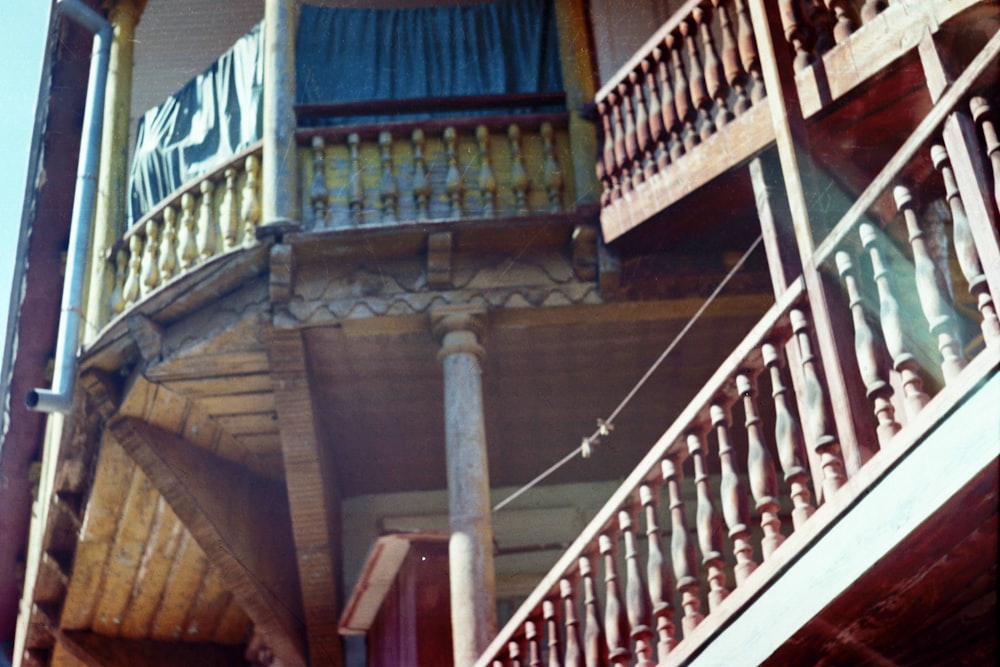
[(484, 136)]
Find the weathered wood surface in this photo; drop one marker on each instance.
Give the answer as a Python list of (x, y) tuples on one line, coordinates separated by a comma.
[(222, 505), (313, 495)]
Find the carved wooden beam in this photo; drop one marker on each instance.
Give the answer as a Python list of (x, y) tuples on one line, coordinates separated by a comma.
[(96, 650), (240, 521), (313, 496)]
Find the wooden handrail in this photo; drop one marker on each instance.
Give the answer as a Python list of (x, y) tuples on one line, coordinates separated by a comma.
[(672, 441), (433, 125), (428, 105)]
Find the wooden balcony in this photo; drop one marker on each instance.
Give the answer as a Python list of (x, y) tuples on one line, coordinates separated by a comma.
[(870, 388), (488, 170), (691, 106)]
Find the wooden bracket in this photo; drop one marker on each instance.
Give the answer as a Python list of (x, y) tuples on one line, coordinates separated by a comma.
[(148, 336), (439, 247), (282, 283)]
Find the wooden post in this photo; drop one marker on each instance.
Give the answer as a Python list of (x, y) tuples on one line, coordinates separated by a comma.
[(470, 549), (112, 177), (279, 198), (845, 390)]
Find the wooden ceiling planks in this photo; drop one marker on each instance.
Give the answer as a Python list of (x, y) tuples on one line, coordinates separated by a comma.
[(166, 537), (122, 565)]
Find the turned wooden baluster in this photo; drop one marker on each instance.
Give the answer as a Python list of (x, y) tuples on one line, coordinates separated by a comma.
[(355, 185), (821, 21), (817, 418), (636, 595), (872, 8), (553, 643), (657, 135), (531, 639), (709, 524), (117, 299), (931, 289), (980, 108), (487, 181), (518, 174), (514, 654), (760, 470), (844, 16), (319, 193), (914, 397), (872, 364), (734, 497), (596, 650), (606, 160), (673, 146), (206, 221), (696, 79), (625, 93), (658, 575), (718, 86), (188, 245), (620, 178), (788, 438), (640, 132), (574, 648), (615, 620), (736, 76), (130, 291), (551, 174), (150, 278), (682, 549), (686, 112), (421, 183), (168, 245), (748, 52), (250, 211), (388, 190), (229, 217), (796, 34), (602, 178), (965, 249)]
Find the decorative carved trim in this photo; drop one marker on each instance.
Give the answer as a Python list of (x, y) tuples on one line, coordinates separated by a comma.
[(148, 337), (282, 273), (439, 260)]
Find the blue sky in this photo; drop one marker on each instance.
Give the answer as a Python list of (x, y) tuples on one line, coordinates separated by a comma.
[(23, 40)]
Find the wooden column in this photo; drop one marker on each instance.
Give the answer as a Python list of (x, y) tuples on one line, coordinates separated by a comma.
[(112, 177), (470, 548), (279, 201), (845, 391), (313, 497)]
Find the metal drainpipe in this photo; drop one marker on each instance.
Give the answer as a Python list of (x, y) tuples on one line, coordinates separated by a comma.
[(60, 397)]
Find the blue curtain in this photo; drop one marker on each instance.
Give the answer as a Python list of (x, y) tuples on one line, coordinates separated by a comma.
[(509, 46), (373, 54)]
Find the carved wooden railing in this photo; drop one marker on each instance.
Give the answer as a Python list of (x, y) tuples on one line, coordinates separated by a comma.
[(209, 216), (385, 173), (698, 77), (748, 416)]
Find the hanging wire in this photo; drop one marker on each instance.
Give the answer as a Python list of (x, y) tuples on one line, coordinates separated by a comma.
[(606, 426)]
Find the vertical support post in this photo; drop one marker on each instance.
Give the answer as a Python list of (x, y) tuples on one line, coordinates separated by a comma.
[(470, 548), (846, 393), (112, 176), (279, 201), (575, 39)]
